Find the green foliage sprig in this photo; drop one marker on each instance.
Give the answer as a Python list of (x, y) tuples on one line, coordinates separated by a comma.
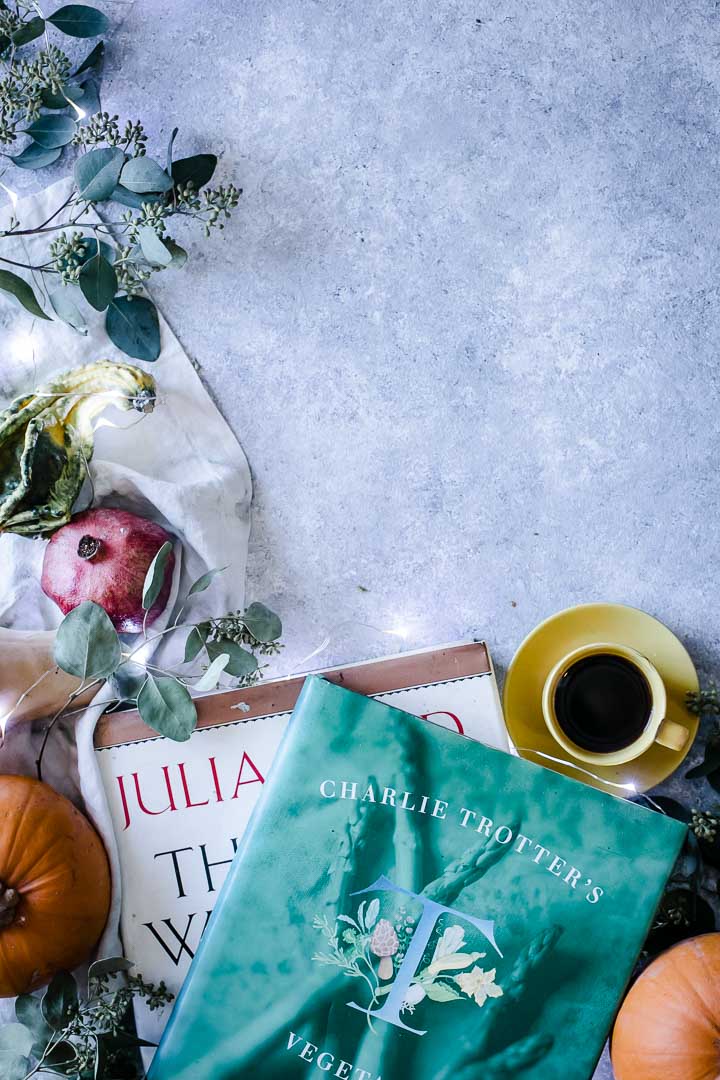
[(88, 647), (91, 1039), (44, 78), (105, 264)]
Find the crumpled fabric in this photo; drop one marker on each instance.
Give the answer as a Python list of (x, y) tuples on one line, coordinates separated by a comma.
[(182, 466)]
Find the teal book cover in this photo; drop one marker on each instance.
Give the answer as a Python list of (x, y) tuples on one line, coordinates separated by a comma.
[(409, 903)]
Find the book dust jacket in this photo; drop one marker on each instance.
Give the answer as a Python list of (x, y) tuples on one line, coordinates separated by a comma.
[(409, 903)]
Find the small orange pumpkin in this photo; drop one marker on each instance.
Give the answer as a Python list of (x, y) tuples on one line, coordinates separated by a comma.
[(667, 1028), (54, 885)]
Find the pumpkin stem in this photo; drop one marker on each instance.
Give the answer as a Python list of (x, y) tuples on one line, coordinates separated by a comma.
[(9, 900)]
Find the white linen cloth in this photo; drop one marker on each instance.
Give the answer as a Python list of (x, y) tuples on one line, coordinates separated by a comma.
[(181, 466)]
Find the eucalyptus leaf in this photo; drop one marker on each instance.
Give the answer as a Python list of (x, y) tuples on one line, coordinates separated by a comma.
[(60, 1000), (153, 247), (173, 136), (66, 309), (73, 92), (97, 173), (166, 706), (155, 576), (29, 31), (80, 21), (131, 198), (109, 966), (142, 174), (199, 169), (179, 254), (132, 324), (209, 680), (19, 288), (50, 130), (93, 60), (36, 157), (195, 641), (86, 643), (241, 661), (205, 580), (98, 282), (90, 244), (263, 624)]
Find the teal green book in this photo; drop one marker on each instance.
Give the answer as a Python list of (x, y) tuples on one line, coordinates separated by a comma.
[(408, 903)]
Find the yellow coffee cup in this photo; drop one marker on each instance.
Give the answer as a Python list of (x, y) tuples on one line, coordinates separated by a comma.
[(654, 727)]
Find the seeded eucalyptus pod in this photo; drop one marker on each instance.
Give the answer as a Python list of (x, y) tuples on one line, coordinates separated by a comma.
[(46, 441)]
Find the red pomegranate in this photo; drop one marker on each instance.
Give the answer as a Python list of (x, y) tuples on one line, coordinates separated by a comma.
[(104, 555)]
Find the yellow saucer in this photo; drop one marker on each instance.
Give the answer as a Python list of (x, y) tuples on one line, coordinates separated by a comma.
[(559, 635)]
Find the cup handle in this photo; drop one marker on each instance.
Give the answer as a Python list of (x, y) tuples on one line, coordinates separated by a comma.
[(673, 736)]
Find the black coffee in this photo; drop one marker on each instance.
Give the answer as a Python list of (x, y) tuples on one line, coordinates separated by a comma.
[(603, 703)]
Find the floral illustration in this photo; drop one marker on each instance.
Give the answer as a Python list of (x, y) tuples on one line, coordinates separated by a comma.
[(479, 984), (371, 948)]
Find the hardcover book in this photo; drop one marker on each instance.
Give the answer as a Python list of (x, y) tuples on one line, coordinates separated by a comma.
[(408, 903), (179, 809)]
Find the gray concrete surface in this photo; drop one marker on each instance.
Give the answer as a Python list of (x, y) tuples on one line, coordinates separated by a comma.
[(465, 321)]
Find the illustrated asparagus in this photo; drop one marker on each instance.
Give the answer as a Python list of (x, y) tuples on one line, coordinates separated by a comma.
[(521, 1054), (473, 1060), (245, 1049), (377, 1051), (465, 871)]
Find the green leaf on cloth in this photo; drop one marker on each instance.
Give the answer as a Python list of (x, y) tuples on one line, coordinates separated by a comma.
[(66, 309), (132, 324), (241, 661), (155, 576), (86, 644), (166, 706), (19, 288), (98, 282)]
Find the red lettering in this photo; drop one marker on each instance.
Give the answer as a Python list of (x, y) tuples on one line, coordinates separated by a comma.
[(257, 778), (216, 779), (171, 803), (188, 800), (455, 719), (123, 796)]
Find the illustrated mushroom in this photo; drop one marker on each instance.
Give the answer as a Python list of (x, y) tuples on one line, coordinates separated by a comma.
[(384, 943)]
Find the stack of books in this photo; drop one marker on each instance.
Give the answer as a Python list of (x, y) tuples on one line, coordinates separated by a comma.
[(373, 893)]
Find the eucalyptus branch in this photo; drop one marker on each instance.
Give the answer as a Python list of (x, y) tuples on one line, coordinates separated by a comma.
[(85, 685), (44, 96)]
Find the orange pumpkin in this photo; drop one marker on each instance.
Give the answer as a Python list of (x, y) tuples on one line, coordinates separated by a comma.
[(667, 1028), (54, 885)]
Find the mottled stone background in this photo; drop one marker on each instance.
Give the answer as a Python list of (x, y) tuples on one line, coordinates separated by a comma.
[(465, 321)]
